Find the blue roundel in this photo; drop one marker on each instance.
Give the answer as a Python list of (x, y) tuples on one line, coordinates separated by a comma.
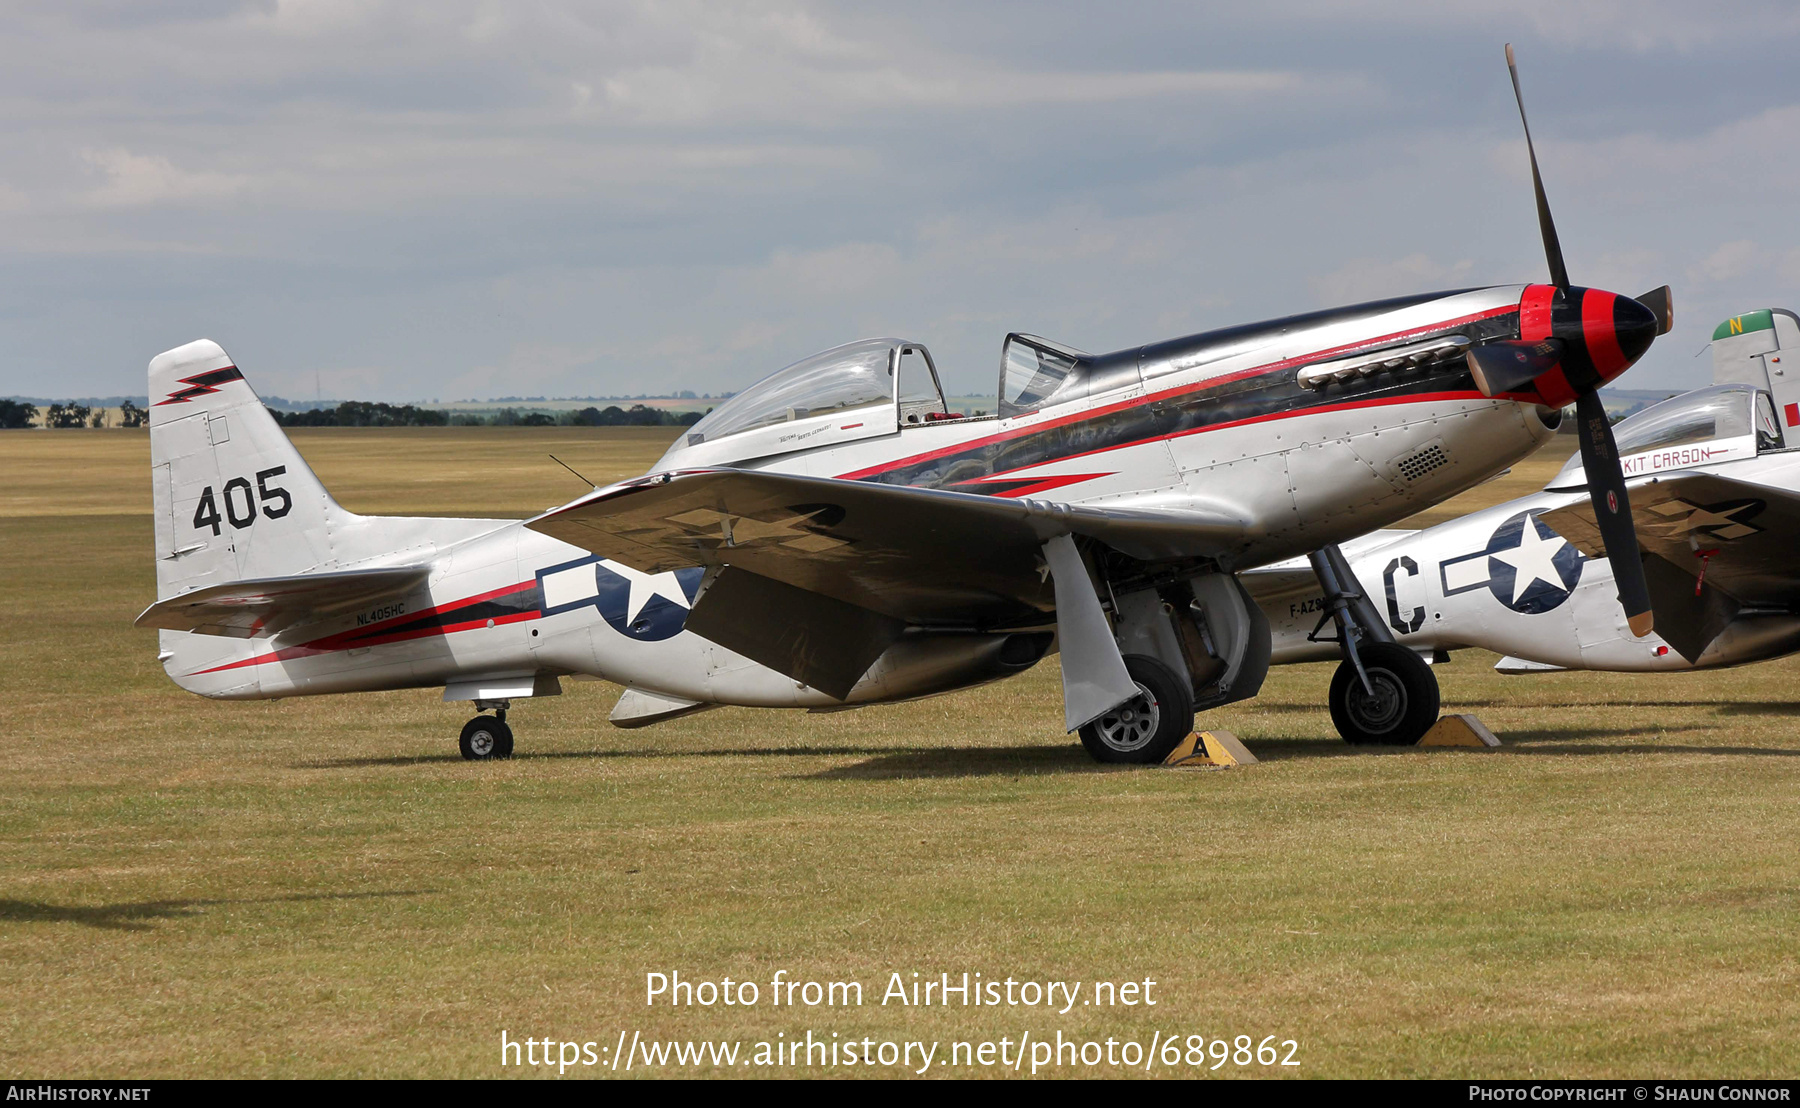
[(1531, 572), (659, 618)]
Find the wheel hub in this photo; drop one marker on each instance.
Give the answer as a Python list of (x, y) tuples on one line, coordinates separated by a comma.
[(1380, 710), (482, 743), (1132, 724)]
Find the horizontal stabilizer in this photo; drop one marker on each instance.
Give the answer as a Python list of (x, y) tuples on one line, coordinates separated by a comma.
[(1510, 664), (264, 607), (638, 708)]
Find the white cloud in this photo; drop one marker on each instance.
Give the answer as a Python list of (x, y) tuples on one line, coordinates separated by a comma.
[(1730, 260), (140, 179)]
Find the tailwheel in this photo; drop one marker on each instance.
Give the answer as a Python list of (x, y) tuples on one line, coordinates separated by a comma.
[(1396, 708), (1145, 728), (486, 737)]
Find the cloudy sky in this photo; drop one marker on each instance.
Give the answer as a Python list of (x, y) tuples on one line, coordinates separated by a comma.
[(461, 198)]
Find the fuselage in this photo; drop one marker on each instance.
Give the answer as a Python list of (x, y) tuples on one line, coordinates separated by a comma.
[(1227, 422)]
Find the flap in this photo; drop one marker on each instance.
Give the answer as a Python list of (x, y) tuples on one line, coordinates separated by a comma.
[(264, 607), (811, 637)]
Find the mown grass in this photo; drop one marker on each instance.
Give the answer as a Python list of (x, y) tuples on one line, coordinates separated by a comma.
[(321, 887)]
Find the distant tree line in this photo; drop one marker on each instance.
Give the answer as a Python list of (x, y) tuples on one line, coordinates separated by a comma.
[(16, 415), (639, 415), (358, 413), (362, 413)]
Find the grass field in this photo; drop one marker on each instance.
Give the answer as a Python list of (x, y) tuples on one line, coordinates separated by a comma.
[(323, 888)]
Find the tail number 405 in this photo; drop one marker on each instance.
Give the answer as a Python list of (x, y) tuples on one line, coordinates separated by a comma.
[(240, 504)]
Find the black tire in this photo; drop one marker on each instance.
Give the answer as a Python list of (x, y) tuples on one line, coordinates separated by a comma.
[(485, 737), (1142, 731), (1405, 704)]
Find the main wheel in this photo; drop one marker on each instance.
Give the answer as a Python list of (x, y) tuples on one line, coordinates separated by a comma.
[(485, 737), (1145, 728), (1404, 704)]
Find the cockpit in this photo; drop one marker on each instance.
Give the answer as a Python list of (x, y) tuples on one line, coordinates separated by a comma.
[(1717, 424), (859, 390), (884, 386), (845, 379)]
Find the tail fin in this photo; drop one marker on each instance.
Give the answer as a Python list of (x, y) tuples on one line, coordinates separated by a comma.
[(233, 498)]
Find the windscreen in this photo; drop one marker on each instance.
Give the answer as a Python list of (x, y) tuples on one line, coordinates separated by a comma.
[(1035, 373)]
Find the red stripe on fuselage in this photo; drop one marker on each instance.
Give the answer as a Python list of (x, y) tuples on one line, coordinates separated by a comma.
[(1179, 390), (372, 635), (1029, 485)]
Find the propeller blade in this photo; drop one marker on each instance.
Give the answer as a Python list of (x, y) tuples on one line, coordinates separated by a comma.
[(1510, 365), (1661, 303), (1612, 510), (1559, 274)]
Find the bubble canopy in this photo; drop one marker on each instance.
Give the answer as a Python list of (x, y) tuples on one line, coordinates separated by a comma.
[(843, 379), (1722, 414)]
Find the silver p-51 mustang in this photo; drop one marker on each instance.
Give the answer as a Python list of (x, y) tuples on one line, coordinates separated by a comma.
[(1714, 476), (834, 535)]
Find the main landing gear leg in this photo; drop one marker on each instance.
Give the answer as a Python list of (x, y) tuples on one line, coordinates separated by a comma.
[(486, 737), (1383, 694)]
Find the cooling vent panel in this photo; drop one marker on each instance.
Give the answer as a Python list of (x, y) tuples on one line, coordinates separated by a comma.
[(1418, 464)]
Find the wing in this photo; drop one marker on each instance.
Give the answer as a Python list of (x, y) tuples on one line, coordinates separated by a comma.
[(1744, 535), (924, 556), (1753, 531), (815, 577), (264, 607)]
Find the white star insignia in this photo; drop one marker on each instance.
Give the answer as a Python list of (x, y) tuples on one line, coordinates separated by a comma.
[(1533, 560), (646, 585)]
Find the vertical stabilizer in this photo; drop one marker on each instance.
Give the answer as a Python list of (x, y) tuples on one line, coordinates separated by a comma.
[(233, 498), (1762, 348)]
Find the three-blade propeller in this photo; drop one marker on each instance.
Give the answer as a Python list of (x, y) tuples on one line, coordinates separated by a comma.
[(1572, 341)]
